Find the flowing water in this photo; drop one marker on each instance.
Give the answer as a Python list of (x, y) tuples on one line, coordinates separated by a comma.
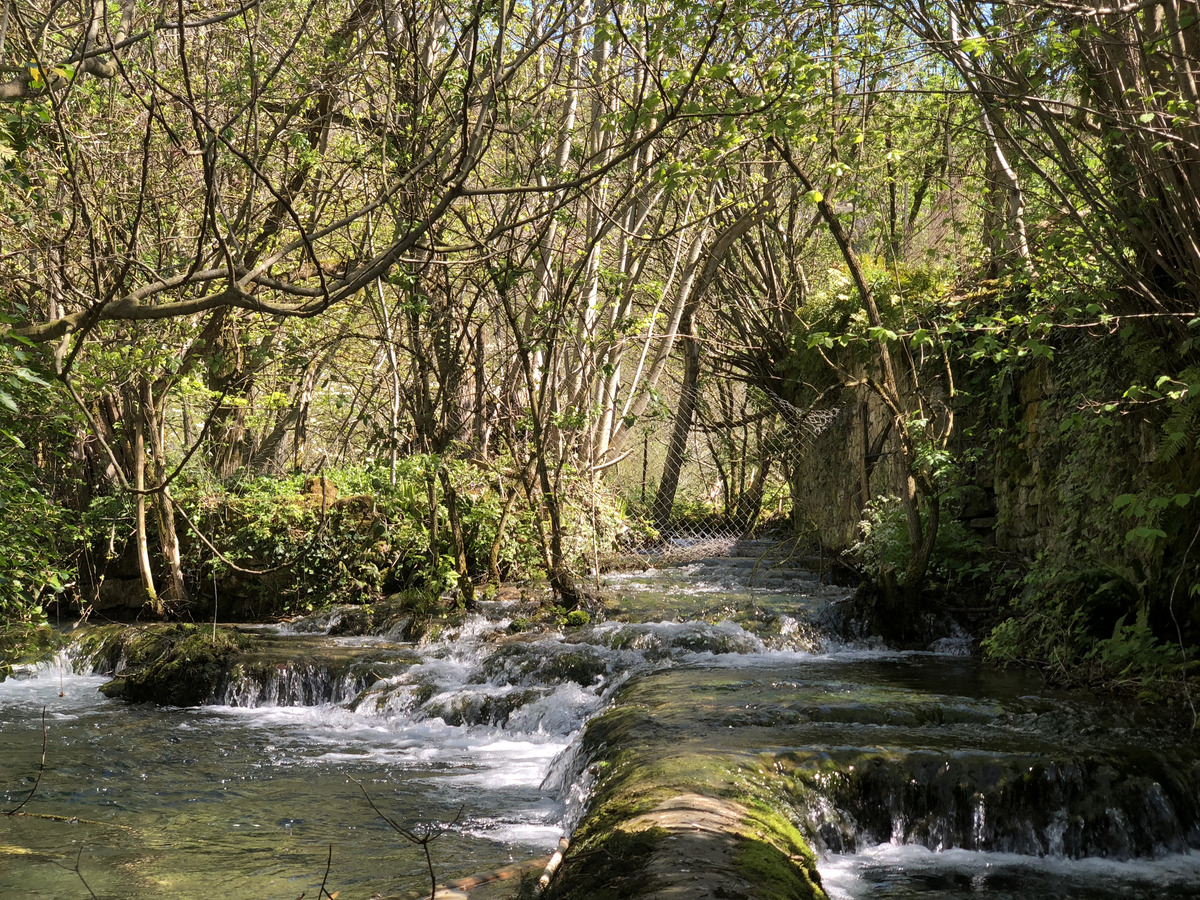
[(919, 774)]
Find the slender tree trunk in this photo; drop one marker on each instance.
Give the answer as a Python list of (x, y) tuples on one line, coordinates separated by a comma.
[(749, 503), (176, 590), (921, 535), (465, 586), (138, 464), (664, 500), (562, 581), (494, 556)]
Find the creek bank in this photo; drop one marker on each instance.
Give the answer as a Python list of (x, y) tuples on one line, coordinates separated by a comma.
[(331, 657), (1068, 513)]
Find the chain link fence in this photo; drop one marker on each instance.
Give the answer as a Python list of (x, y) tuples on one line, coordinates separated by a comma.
[(734, 475)]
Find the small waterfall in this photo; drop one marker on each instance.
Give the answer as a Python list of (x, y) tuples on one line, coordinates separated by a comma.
[(529, 685), (1085, 807), (288, 683), (570, 778)]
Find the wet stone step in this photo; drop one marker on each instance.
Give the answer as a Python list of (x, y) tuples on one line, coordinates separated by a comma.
[(865, 749)]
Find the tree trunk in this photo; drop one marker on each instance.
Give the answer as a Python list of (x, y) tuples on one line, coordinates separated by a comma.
[(921, 536), (138, 464), (465, 586), (167, 534), (664, 500), (749, 502), (494, 556)]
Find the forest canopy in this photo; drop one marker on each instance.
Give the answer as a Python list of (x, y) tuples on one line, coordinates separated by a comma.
[(475, 260)]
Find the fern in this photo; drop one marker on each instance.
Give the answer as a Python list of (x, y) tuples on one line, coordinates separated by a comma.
[(1182, 428)]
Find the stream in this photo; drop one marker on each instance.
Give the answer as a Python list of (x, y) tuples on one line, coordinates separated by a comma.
[(919, 774)]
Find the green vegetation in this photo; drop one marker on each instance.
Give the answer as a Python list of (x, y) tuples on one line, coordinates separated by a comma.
[(352, 536), (910, 280)]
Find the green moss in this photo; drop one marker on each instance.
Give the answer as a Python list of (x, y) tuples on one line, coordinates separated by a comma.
[(774, 874), (767, 819), (99, 646), (24, 644), (642, 770), (175, 665), (611, 866), (774, 855)]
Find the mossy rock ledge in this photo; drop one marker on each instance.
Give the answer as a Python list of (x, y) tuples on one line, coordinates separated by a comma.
[(681, 820), (172, 665), (26, 645)]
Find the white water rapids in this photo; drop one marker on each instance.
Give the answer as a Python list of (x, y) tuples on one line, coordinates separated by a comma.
[(246, 796)]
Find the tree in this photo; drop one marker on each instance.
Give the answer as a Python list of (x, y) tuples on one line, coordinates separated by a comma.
[(1098, 106), (279, 175)]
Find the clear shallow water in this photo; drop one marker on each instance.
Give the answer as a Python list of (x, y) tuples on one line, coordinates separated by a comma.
[(244, 798), (246, 803)]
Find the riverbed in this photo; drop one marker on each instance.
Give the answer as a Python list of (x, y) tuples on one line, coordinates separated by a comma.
[(473, 735)]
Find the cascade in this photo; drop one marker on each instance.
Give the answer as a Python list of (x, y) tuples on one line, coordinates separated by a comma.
[(873, 752)]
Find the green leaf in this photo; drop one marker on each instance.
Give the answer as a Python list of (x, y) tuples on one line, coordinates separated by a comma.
[(814, 196), (1144, 533)]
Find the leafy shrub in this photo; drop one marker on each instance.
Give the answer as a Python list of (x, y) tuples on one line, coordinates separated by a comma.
[(37, 534), (883, 541), (1087, 627), (374, 537)]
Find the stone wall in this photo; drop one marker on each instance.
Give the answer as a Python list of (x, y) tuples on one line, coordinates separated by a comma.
[(1044, 458), (844, 468)]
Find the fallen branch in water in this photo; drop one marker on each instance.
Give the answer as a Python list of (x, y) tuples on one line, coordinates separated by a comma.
[(552, 866), (462, 886)]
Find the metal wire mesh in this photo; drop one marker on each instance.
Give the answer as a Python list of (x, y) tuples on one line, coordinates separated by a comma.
[(734, 475)]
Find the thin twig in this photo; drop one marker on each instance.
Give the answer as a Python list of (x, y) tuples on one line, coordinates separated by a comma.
[(328, 863), (41, 769), (422, 840), (76, 870)]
